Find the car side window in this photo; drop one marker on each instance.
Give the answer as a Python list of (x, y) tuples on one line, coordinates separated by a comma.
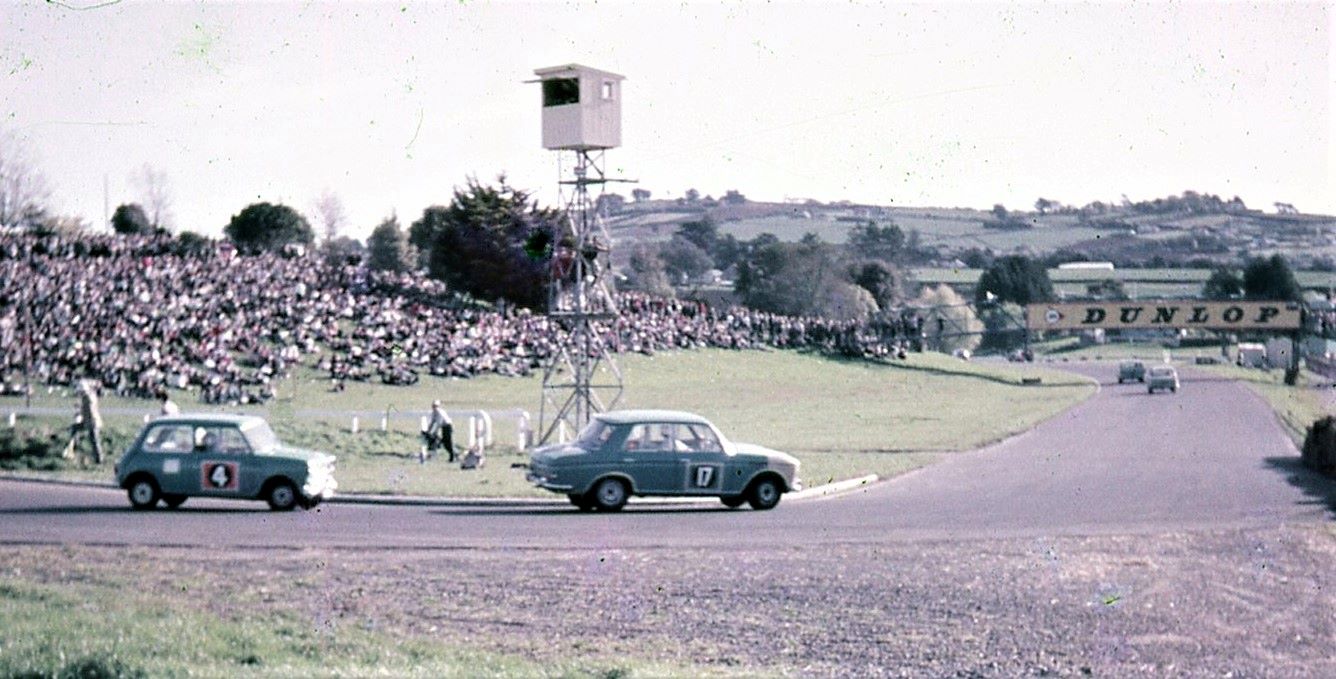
[(696, 438), (651, 436), (168, 438), (231, 441)]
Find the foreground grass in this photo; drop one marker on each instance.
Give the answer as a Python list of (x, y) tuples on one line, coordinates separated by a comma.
[(120, 623), (841, 418)]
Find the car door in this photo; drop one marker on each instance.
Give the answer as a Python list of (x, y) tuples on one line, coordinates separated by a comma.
[(224, 462), (169, 456), (703, 467), (648, 458)]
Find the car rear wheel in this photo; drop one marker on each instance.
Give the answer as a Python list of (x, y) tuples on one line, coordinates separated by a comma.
[(173, 501), (733, 501), (143, 493), (765, 494), (609, 495), (282, 496), (580, 501)]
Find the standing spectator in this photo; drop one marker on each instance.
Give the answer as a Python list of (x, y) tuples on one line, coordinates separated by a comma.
[(169, 407), (89, 421), (440, 431)]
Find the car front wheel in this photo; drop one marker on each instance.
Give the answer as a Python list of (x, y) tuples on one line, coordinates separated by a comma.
[(143, 494), (609, 495), (764, 494), (733, 501), (282, 496), (173, 501), (580, 501)]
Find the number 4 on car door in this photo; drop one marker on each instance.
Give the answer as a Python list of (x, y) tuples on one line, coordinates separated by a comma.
[(220, 476)]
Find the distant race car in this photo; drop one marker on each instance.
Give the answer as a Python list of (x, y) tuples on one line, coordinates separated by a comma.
[(1162, 377), (223, 456), (1131, 371), (661, 452)]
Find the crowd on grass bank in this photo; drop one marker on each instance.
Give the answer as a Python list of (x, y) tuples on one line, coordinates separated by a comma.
[(143, 314)]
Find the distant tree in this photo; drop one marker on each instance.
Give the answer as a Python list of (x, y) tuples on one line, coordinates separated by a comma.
[(703, 233), (1224, 283), (640, 195), (1000, 211), (342, 251), (128, 219), (1270, 279), (23, 189), (61, 225), (868, 240), (949, 322), (492, 241), (329, 214), (733, 197), (609, 204), (155, 194), (693, 196), (645, 272), (263, 226), (798, 279), (388, 248), (727, 250), (683, 260), (1015, 278), (194, 243), (879, 279), (1043, 205)]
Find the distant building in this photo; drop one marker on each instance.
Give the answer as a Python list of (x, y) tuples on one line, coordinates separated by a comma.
[(1087, 266)]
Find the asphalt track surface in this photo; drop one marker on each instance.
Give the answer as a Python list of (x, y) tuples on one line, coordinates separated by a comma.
[(1212, 455)]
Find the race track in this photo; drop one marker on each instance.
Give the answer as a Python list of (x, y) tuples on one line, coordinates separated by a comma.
[(1123, 461)]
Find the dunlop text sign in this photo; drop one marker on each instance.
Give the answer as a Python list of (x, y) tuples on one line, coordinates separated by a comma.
[(1164, 314)]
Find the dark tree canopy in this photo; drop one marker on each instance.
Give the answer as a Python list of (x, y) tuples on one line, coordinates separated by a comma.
[(342, 250), (130, 218), (263, 226), (877, 242), (1270, 279), (388, 249), (879, 279), (1223, 284), (482, 243), (703, 233), (683, 260), (1015, 278)]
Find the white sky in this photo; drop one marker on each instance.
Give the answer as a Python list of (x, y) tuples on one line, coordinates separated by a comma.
[(392, 105)]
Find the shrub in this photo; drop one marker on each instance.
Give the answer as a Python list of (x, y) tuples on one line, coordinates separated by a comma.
[(1320, 444)]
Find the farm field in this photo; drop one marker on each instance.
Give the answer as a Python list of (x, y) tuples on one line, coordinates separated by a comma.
[(842, 419)]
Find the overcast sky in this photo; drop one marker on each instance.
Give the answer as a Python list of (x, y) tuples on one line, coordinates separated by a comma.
[(391, 105)]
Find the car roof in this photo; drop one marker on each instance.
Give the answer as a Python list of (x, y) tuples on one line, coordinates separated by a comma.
[(635, 416), (1162, 368), (208, 418)]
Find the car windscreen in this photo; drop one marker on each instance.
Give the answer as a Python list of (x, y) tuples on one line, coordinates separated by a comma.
[(260, 436)]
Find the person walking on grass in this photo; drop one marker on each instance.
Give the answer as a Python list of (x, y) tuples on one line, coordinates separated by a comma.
[(440, 431), (88, 421)]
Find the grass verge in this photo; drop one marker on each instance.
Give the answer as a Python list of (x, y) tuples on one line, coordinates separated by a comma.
[(841, 418)]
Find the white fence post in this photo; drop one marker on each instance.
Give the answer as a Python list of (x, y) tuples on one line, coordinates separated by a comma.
[(522, 431), (473, 430), (13, 419), (356, 424)]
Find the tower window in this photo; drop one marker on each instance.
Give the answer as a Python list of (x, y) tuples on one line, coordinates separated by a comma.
[(607, 90), (561, 91)]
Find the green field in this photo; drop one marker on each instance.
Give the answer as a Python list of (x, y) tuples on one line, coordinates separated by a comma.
[(841, 418)]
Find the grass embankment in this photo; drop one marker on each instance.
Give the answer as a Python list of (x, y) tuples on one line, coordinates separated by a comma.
[(79, 620), (841, 418)]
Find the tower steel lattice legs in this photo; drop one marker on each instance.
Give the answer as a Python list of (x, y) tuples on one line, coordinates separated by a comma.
[(581, 378)]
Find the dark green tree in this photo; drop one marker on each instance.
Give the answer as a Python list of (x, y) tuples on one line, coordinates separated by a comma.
[(877, 242), (263, 226), (194, 243), (1015, 278), (388, 248), (1224, 283), (879, 279), (483, 243), (683, 260), (1270, 278), (129, 219), (646, 272), (703, 233), (342, 250)]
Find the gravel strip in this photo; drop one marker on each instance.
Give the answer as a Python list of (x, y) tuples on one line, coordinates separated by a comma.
[(1240, 602)]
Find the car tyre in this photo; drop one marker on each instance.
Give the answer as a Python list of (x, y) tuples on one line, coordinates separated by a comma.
[(764, 494), (581, 502), (609, 495), (733, 501), (282, 496), (173, 501), (143, 493)]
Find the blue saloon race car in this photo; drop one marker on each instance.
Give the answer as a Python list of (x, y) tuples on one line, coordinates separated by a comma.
[(221, 456), (661, 452)]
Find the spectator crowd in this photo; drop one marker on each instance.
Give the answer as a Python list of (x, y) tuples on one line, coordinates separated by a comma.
[(146, 313)]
